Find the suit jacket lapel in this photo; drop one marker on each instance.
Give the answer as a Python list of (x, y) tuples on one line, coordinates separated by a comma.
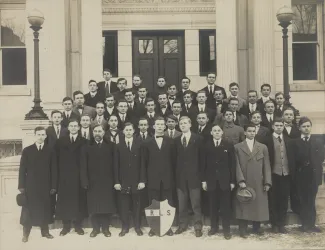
[(191, 141), (256, 148), (245, 148)]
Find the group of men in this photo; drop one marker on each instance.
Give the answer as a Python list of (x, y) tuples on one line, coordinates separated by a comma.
[(115, 149)]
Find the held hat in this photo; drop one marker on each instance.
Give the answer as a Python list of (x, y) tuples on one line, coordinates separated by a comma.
[(245, 195), (21, 199)]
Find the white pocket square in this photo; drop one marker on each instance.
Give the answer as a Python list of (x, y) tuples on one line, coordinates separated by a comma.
[(225, 151)]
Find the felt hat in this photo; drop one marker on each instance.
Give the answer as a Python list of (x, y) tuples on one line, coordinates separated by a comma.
[(21, 199), (245, 195)]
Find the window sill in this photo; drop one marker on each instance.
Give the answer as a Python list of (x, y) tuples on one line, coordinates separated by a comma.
[(307, 86), (15, 91)]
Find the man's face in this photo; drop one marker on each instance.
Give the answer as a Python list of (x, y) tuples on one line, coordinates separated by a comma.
[(67, 105), (185, 125), (187, 99), (234, 90), (256, 119), (128, 131), (233, 105), (202, 119), (136, 81), (92, 87), (85, 121), (143, 126), (100, 108), (121, 85), (211, 78), (129, 97), (216, 132), (150, 106), (110, 102), (98, 133), (250, 133), (171, 124), (122, 107), (266, 91), (162, 100), (201, 98), (185, 84), (176, 108), (79, 99), (161, 82), (73, 128), (229, 116), (40, 136), (107, 75), (142, 93), (288, 116), (218, 96), (159, 126), (172, 90), (269, 108), (112, 122), (252, 97), (305, 128), (279, 100), (278, 127), (56, 118)]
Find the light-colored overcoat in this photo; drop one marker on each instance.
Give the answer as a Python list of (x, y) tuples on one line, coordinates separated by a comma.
[(254, 169)]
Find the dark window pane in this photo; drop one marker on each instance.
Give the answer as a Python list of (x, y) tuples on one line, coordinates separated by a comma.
[(304, 61), (207, 52), (304, 24), (170, 46), (110, 55), (145, 46), (14, 66)]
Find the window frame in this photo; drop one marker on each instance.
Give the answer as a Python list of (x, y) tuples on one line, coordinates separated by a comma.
[(202, 33), (114, 34)]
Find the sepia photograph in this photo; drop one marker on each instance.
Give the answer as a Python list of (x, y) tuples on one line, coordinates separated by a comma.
[(162, 124)]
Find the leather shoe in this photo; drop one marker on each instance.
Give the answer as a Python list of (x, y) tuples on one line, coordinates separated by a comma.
[(275, 229), (138, 231), (213, 231), (64, 231), (47, 236), (24, 239), (227, 236), (107, 233), (282, 230), (258, 231), (180, 230), (198, 233), (243, 234), (79, 231), (151, 233), (123, 232), (170, 232), (94, 233), (315, 229), (303, 229)]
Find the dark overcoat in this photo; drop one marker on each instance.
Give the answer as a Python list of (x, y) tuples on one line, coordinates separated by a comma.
[(52, 136), (38, 175)]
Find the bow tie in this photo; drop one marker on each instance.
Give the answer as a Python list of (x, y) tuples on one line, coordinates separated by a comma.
[(171, 98), (163, 106), (288, 125), (159, 136)]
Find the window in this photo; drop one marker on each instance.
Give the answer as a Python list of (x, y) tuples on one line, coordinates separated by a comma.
[(207, 52), (307, 48), (110, 55), (13, 49)]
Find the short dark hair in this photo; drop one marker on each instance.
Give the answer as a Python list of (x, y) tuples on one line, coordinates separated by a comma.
[(268, 101), (128, 124), (122, 79), (39, 128), (107, 70), (73, 120), (233, 84), (109, 95), (100, 102), (161, 77), (227, 110), (122, 100), (98, 125), (200, 113), (252, 91), (209, 73), (201, 92), (277, 119), (188, 92), (112, 116), (142, 87), (265, 85), (303, 120), (149, 100), (172, 84), (78, 92), (172, 117), (160, 118), (177, 102), (129, 90), (143, 119), (289, 108), (162, 93), (233, 99), (137, 75), (67, 98), (90, 81), (250, 125), (256, 112), (85, 115), (185, 77), (56, 112), (277, 94)]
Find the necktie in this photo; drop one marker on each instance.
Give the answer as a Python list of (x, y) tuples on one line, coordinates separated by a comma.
[(143, 136), (67, 115), (200, 129), (306, 138), (210, 89), (217, 143), (184, 142), (99, 144), (58, 131), (171, 134), (99, 119), (252, 108), (150, 116), (142, 101), (40, 148), (271, 119), (202, 110), (72, 139), (85, 135), (129, 145), (279, 138), (123, 118), (108, 87), (187, 107), (159, 136)]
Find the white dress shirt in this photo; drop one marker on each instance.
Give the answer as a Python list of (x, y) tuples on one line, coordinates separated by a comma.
[(92, 94), (110, 110), (38, 145), (275, 135), (264, 99), (252, 107), (202, 127), (73, 136), (83, 131), (171, 131), (269, 117), (288, 127), (99, 119), (201, 107), (303, 137), (235, 115), (250, 144), (187, 136), (67, 113), (129, 140), (257, 128), (215, 142), (57, 129), (151, 114), (159, 141), (122, 116)]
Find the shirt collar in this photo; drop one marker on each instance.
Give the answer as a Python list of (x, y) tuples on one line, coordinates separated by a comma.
[(217, 140), (85, 129), (93, 93), (234, 96), (276, 135), (128, 140), (249, 141), (101, 141), (74, 136), (152, 114), (187, 134), (109, 81), (201, 105), (265, 98), (202, 126), (39, 144), (303, 136)]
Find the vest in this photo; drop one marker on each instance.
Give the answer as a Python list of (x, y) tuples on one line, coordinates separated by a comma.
[(281, 166)]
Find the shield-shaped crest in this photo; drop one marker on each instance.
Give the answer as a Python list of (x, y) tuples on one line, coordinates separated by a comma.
[(160, 216)]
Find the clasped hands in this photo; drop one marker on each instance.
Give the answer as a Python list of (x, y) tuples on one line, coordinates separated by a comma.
[(205, 186), (141, 186)]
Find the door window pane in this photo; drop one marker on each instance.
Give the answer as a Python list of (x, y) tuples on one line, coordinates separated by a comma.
[(14, 66), (304, 24), (146, 46), (304, 61), (170, 46), (110, 52), (13, 27), (207, 52)]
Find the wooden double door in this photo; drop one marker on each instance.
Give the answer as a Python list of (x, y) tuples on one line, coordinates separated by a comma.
[(158, 54)]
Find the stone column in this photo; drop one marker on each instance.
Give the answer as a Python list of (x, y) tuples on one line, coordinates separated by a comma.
[(125, 55), (264, 62), (226, 42)]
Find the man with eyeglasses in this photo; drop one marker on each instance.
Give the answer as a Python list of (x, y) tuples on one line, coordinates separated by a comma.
[(100, 118)]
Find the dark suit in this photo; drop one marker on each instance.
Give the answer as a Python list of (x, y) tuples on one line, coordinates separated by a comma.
[(136, 113), (129, 173), (241, 120), (218, 168), (151, 122), (116, 138), (211, 102), (104, 91), (73, 116), (294, 133), (52, 136), (266, 123), (159, 112), (247, 112), (89, 135), (262, 134), (107, 114), (188, 179), (92, 101), (180, 96), (279, 111), (85, 110), (260, 102), (205, 133), (121, 123), (210, 112), (191, 112), (140, 136)]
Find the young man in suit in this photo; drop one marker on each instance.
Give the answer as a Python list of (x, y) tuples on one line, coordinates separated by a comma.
[(171, 132), (290, 127), (67, 113), (143, 127), (203, 127), (210, 88), (93, 96), (172, 94), (188, 176), (135, 109), (99, 118), (189, 109), (151, 114), (309, 157), (219, 176), (221, 104), (71, 206), (97, 177), (269, 116), (185, 83), (120, 94), (163, 108), (80, 108), (202, 106), (231, 132), (234, 90), (130, 179), (142, 95), (56, 130), (282, 166), (158, 158), (261, 132), (266, 92), (110, 108), (176, 111), (85, 130), (107, 86), (136, 83), (161, 87), (113, 133), (252, 105), (122, 115), (38, 181), (279, 104)]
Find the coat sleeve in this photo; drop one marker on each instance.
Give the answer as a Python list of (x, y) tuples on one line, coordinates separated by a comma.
[(23, 170), (239, 173), (54, 170), (242, 135), (116, 165), (84, 167), (232, 163), (266, 167)]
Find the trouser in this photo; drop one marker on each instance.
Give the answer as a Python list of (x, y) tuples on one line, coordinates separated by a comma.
[(100, 221), (195, 199), (161, 194), (280, 192), (126, 200), (67, 224), (28, 228), (244, 223), (220, 200)]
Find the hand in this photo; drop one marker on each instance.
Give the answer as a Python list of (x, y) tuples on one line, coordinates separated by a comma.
[(141, 185), (22, 190), (232, 186), (52, 191), (204, 186), (266, 188), (118, 187), (242, 185)]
